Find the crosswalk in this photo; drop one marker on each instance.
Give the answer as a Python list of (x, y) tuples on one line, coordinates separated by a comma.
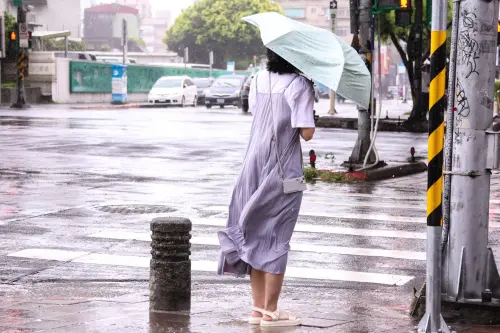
[(330, 243)]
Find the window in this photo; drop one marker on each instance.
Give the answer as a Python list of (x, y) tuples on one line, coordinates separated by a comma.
[(313, 10), (296, 13), (342, 31)]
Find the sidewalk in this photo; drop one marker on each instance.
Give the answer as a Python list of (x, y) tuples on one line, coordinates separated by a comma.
[(218, 305)]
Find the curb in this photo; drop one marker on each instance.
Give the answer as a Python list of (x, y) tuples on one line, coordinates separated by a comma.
[(385, 125), (106, 107), (396, 171)]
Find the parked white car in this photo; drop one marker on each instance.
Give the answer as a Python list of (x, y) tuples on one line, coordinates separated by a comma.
[(174, 90)]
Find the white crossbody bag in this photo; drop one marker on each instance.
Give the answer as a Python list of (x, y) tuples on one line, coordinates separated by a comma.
[(290, 185)]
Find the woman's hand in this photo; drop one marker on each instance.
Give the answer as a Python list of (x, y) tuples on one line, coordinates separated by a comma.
[(307, 133)]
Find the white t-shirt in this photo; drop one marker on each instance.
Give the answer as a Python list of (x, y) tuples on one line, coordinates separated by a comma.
[(299, 94)]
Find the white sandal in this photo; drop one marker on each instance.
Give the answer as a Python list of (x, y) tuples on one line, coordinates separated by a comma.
[(256, 320), (275, 321)]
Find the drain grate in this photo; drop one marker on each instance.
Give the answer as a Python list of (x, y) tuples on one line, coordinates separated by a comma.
[(135, 209)]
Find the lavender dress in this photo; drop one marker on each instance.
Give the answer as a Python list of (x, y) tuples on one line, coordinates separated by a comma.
[(261, 217)]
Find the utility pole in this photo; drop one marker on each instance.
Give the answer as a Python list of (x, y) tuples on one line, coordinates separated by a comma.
[(333, 24), (433, 322), (469, 270), (186, 59), (363, 142), (211, 61), (125, 41), (22, 58)]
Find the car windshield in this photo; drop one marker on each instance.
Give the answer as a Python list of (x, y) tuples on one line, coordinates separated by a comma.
[(229, 83), (202, 83), (168, 83)]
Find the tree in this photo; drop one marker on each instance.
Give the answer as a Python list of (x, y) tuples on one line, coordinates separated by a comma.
[(215, 25), (10, 25), (407, 34), (58, 45)]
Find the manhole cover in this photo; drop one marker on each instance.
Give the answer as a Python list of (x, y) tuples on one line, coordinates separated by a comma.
[(135, 209)]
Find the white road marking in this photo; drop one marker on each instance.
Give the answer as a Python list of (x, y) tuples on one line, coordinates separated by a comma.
[(395, 206), (213, 241), (361, 216), (327, 229), (210, 266), (361, 195)]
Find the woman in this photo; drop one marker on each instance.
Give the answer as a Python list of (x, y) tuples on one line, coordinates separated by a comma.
[(261, 215)]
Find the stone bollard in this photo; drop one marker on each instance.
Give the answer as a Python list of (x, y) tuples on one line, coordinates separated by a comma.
[(170, 267)]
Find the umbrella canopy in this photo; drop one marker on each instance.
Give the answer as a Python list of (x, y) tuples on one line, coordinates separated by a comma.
[(318, 53)]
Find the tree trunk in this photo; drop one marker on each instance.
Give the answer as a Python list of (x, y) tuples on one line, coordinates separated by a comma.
[(419, 111)]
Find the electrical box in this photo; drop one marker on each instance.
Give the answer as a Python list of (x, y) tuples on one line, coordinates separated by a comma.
[(492, 150)]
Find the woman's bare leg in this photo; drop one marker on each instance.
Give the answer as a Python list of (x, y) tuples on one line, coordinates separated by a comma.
[(258, 282), (274, 282)]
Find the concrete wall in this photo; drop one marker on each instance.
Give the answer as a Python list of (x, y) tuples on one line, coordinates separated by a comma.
[(61, 89)]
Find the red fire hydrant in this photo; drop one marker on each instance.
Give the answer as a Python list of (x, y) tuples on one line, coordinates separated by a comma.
[(312, 158)]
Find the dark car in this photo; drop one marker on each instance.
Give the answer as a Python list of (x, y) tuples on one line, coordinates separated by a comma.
[(226, 90), (201, 86), (245, 91)]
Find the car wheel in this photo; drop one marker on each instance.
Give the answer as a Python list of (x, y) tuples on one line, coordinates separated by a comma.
[(221, 106), (195, 101), (183, 102), (209, 106)]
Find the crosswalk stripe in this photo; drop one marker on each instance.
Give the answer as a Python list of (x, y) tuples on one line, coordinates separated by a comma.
[(327, 229), (362, 195), (396, 205), (208, 266), (213, 241), (360, 216)]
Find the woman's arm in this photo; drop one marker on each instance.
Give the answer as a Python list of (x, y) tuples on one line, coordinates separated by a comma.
[(307, 133), (300, 97)]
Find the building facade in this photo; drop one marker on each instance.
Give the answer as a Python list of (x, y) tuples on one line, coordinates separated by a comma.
[(49, 13), (143, 6), (317, 13), (152, 29), (153, 33), (103, 26)]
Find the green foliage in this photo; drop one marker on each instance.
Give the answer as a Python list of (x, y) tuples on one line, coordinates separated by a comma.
[(58, 45), (10, 22), (311, 175), (10, 25), (497, 85), (215, 25), (137, 41)]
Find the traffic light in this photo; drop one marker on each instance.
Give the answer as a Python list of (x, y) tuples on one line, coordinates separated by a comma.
[(30, 40), (13, 36), (403, 14)]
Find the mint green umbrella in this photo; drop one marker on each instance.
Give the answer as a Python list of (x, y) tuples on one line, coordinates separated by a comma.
[(318, 53)]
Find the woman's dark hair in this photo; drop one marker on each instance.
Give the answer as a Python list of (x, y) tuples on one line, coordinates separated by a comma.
[(277, 64)]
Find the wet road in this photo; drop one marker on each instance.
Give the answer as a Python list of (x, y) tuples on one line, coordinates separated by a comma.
[(79, 187)]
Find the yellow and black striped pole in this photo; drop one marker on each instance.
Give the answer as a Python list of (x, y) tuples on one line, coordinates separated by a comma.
[(432, 321), (436, 128)]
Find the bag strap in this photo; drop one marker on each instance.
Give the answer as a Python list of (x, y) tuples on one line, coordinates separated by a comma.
[(275, 134)]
